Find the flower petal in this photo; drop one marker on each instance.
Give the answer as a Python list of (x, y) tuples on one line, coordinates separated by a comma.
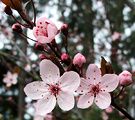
[(93, 74), (36, 90), (52, 31), (44, 39), (84, 86), (103, 100), (109, 82), (65, 100), (85, 101), (49, 71), (38, 117), (46, 105), (69, 81)]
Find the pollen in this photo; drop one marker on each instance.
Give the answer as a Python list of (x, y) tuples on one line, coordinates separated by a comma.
[(107, 86), (47, 97), (57, 74), (40, 22), (94, 70), (85, 93), (37, 89), (33, 84), (94, 78), (88, 77), (49, 70), (49, 75), (99, 82), (76, 91), (40, 85), (88, 101), (80, 85), (81, 90), (42, 96), (60, 82), (96, 101), (78, 96)]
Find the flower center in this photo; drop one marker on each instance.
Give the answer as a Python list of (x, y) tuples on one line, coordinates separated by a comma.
[(95, 89), (55, 89)]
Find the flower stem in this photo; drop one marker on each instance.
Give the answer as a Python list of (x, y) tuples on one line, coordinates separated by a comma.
[(34, 12), (28, 37), (119, 92), (121, 110)]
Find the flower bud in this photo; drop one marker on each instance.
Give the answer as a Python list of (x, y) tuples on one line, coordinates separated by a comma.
[(79, 60), (64, 29), (65, 58), (39, 46), (42, 57), (17, 28), (125, 78), (7, 10)]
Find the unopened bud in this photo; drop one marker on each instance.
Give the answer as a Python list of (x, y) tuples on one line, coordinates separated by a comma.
[(42, 57), (7, 10), (125, 78), (79, 60), (17, 28), (39, 46), (64, 29), (65, 58)]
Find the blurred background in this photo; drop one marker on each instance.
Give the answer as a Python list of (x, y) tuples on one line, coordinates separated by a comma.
[(96, 28)]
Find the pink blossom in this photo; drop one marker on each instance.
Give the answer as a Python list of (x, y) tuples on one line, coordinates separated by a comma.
[(108, 110), (10, 78), (116, 35), (45, 30), (79, 60), (125, 78), (95, 88), (47, 117), (53, 88)]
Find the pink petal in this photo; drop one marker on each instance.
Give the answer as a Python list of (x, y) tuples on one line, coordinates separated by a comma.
[(9, 74), (9, 84), (85, 101), (38, 117), (5, 80), (52, 31), (84, 86), (49, 71), (36, 90), (44, 39), (34, 32), (109, 82), (69, 81), (46, 105), (103, 100), (65, 100), (93, 74)]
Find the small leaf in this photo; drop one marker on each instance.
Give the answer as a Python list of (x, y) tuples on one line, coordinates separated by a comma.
[(16, 70), (103, 65)]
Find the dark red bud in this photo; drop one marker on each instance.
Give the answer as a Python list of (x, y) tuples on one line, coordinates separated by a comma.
[(64, 29), (17, 28), (42, 57), (65, 58), (7, 10), (39, 46)]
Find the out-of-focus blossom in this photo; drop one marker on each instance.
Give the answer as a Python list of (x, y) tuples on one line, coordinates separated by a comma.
[(45, 30), (10, 79), (108, 110), (116, 36), (96, 88), (125, 78), (53, 88), (104, 116), (79, 60)]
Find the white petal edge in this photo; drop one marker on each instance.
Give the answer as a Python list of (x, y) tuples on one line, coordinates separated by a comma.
[(46, 105), (65, 100), (49, 71), (103, 100), (36, 90), (93, 74), (85, 101), (69, 81), (109, 82)]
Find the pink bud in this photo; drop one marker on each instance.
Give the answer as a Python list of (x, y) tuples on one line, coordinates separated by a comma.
[(125, 78), (79, 60), (108, 110), (39, 46), (17, 28), (65, 58), (64, 29)]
